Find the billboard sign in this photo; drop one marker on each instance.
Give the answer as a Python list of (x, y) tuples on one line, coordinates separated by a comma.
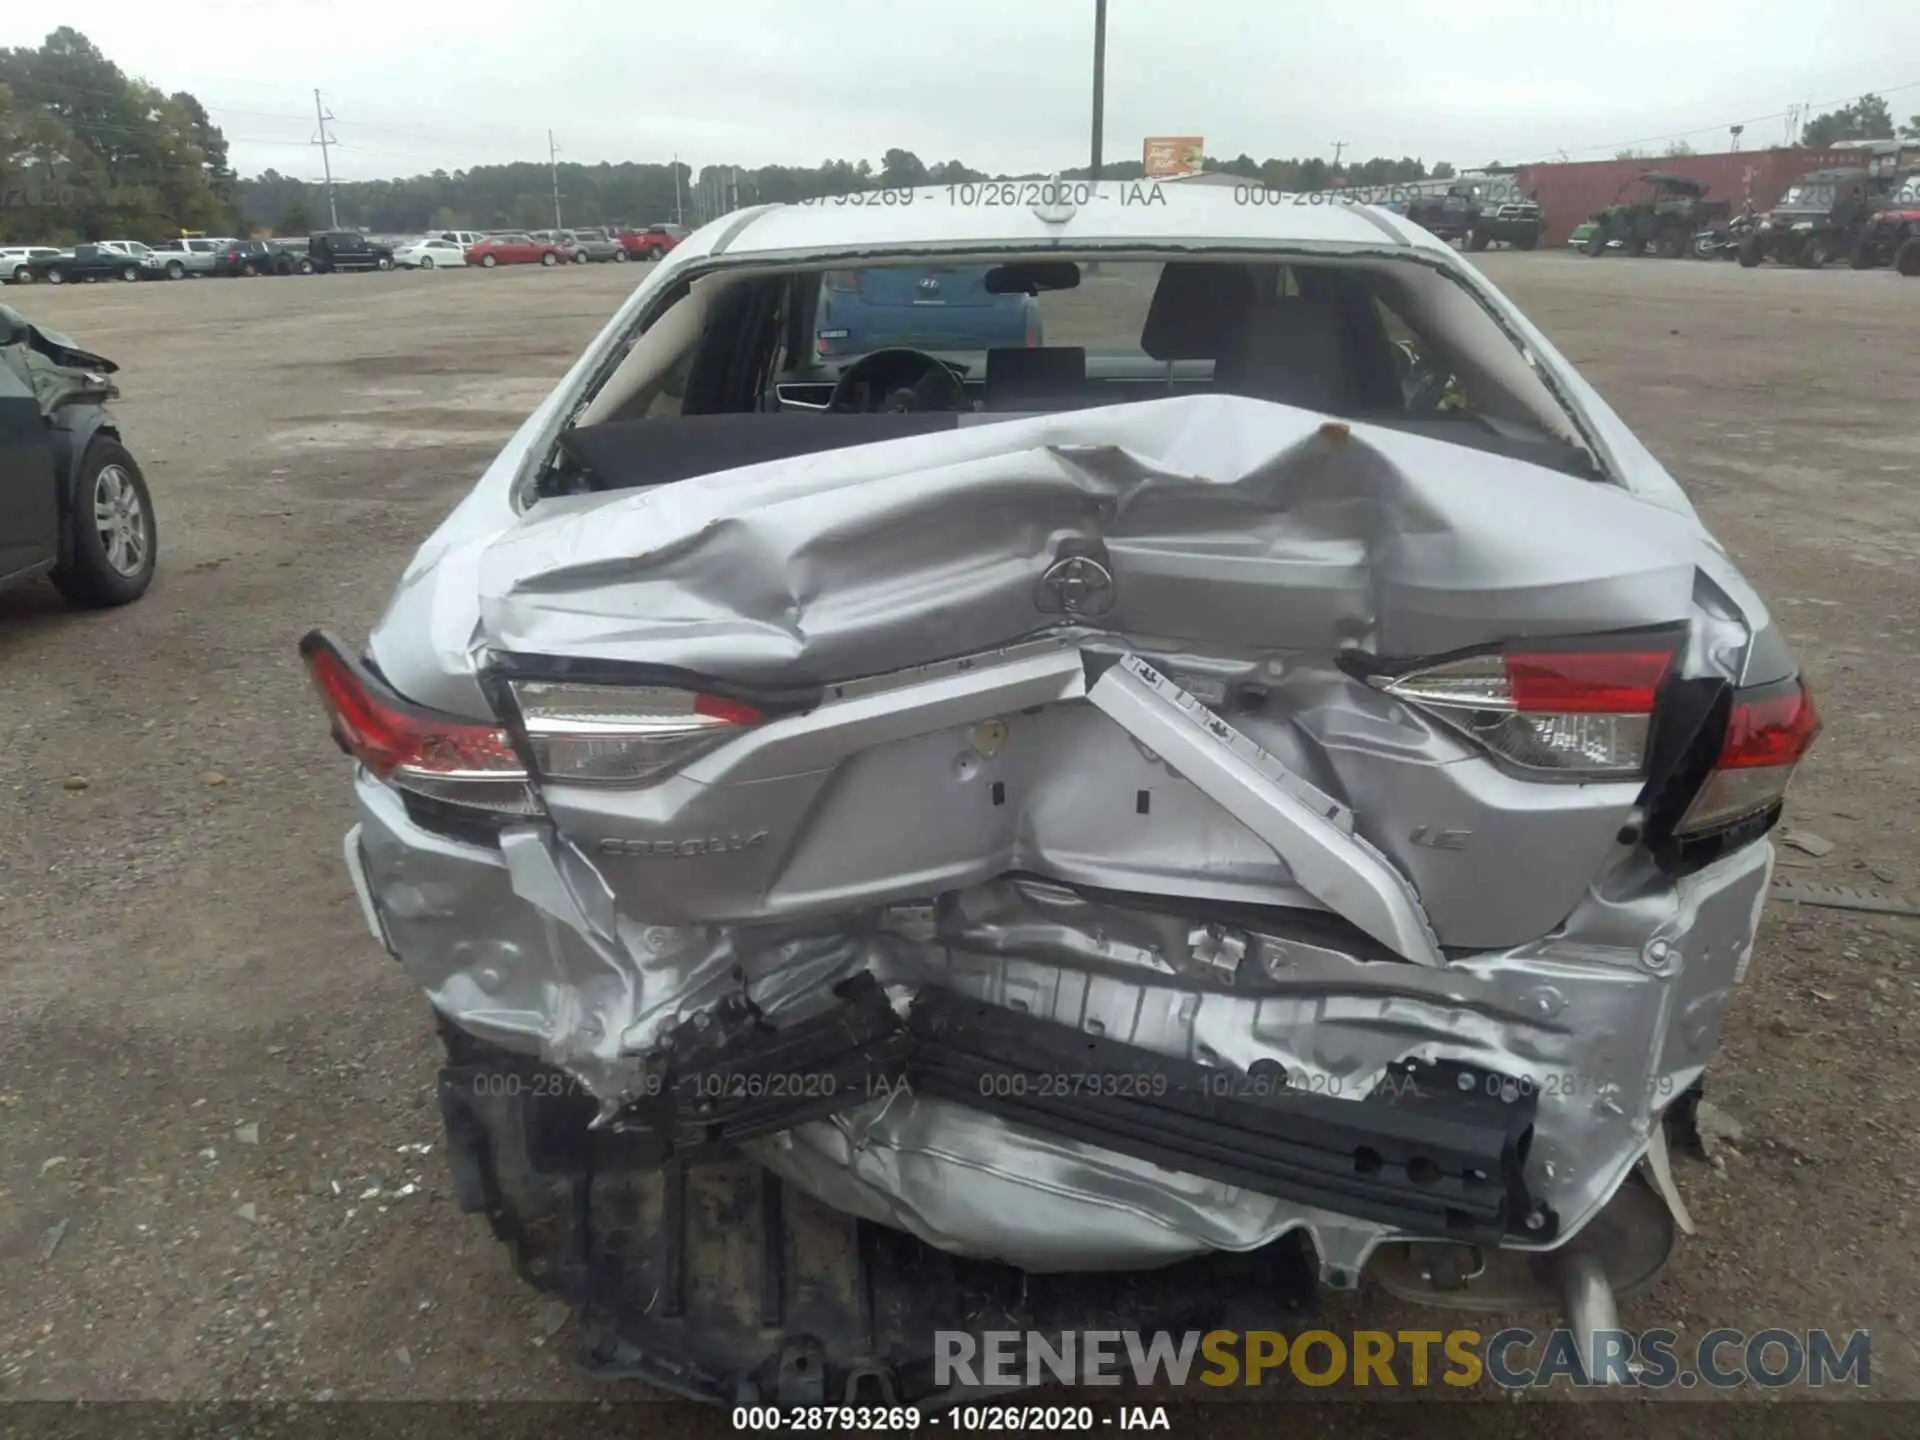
[(1164, 156)]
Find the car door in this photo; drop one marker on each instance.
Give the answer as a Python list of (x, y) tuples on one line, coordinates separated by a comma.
[(29, 505)]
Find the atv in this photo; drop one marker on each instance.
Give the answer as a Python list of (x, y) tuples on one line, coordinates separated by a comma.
[(1665, 221), (1821, 217), (1892, 225)]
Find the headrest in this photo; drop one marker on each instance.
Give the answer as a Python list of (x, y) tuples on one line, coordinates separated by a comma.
[(1199, 310), (1295, 352)]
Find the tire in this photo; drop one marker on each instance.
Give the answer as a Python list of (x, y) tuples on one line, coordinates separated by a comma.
[(56, 276), (1860, 257), (654, 252), (1596, 245), (130, 275), (176, 271), (487, 262), (307, 267), (23, 276), (1813, 254), (1907, 262), (250, 270), (579, 257), (426, 262), (548, 258), (620, 256), (1704, 247), (1751, 252), (116, 567), (1478, 240)]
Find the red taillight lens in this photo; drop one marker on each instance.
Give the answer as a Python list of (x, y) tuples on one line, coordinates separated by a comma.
[(1561, 712), (442, 756), (1604, 683), (1767, 736), (1777, 730)]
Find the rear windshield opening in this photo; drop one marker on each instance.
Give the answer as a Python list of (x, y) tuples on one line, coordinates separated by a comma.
[(757, 367)]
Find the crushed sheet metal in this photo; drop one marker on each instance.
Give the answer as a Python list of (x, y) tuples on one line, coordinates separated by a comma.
[(1309, 830), (1229, 524)]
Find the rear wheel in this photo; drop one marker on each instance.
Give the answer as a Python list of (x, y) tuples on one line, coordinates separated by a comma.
[(176, 271), (426, 262), (385, 262), (487, 262), (1751, 252), (620, 256), (1907, 262), (129, 274), (23, 276), (56, 276), (654, 252), (111, 530), (1670, 245), (549, 258)]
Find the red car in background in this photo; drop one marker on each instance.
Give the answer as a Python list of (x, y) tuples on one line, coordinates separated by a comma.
[(652, 242), (516, 248)]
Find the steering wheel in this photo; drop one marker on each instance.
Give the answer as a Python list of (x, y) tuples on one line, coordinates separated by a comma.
[(890, 381)]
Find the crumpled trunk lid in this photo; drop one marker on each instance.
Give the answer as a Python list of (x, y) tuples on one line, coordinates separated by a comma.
[(1237, 549)]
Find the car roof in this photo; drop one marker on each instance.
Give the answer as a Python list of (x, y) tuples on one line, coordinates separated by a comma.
[(1122, 212)]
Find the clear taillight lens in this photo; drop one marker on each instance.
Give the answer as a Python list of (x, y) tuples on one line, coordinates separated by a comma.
[(1570, 713), (622, 734), (1768, 733)]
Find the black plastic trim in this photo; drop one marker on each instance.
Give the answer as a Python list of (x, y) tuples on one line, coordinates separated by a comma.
[(1435, 1149)]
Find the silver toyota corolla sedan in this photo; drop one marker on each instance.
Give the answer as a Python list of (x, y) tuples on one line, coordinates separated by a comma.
[(1267, 790)]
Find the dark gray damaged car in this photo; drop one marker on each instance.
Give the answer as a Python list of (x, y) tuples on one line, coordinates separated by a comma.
[(1268, 789)]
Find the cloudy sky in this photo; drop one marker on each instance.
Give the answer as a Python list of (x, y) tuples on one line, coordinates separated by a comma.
[(1000, 84)]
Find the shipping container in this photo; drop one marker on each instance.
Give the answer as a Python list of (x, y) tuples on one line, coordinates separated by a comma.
[(1573, 192)]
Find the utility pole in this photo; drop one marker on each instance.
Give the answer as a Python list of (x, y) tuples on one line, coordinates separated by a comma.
[(1099, 84), (676, 189), (323, 140), (553, 169), (1338, 146), (1735, 130)]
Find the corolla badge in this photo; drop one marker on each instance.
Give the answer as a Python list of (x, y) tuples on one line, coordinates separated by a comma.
[(1076, 585)]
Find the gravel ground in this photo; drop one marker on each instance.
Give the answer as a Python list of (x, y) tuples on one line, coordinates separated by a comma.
[(220, 1170)]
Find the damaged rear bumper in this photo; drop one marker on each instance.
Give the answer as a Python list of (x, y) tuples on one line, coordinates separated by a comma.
[(1267, 1060)]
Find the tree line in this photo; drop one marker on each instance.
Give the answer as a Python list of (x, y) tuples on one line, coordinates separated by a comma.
[(88, 152)]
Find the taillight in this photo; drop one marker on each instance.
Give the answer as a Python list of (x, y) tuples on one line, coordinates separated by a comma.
[(845, 281), (442, 757), (1768, 732), (622, 734), (1561, 712)]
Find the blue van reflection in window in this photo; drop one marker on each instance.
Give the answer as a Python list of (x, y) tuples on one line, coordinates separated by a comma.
[(942, 308)]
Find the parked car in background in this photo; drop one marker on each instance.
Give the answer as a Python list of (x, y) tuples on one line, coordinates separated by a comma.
[(943, 309), (652, 242), (142, 253), (87, 262), (260, 257), (462, 238), (430, 252), (1894, 222), (564, 240), (73, 503), (515, 247), (14, 258), (178, 259), (331, 250), (597, 246)]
